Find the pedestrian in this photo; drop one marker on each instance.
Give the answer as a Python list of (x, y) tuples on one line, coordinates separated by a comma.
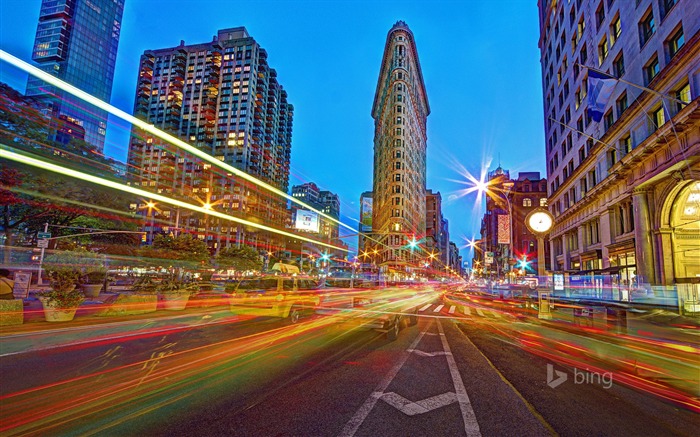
[(6, 285)]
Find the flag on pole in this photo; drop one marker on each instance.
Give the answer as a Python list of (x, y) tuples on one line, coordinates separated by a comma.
[(600, 88)]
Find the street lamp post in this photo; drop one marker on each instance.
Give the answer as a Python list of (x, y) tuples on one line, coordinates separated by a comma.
[(508, 186), (151, 215)]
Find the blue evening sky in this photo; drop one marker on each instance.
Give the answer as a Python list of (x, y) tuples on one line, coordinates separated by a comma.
[(480, 63)]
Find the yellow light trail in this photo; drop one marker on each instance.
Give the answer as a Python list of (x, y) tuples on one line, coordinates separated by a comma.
[(7, 154), (155, 131)]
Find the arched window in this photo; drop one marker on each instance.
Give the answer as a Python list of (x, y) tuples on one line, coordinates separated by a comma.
[(527, 201)]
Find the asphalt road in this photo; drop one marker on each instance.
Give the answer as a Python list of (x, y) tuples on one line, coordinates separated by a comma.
[(211, 373)]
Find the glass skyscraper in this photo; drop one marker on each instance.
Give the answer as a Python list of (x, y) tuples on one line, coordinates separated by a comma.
[(76, 41)]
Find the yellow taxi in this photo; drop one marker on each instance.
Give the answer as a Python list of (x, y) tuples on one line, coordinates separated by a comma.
[(284, 297)]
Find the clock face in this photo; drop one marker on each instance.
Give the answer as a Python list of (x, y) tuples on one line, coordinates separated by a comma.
[(540, 222)]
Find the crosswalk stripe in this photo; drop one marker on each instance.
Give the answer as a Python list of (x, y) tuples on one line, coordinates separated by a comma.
[(438, 308), (467, 311), (426, 307), (479, 312), (452, 309)]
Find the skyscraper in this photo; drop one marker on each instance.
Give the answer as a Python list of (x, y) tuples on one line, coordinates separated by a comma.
[(223, 98), (623, 187), (400, 112), (76, 41)]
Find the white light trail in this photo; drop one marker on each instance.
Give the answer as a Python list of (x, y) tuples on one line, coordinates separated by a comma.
[(7, 154), (155, 131)]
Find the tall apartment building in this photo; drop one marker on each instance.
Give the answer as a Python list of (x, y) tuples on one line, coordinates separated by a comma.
[(400, 112), (223, 98), (76, 41), (624, 191)]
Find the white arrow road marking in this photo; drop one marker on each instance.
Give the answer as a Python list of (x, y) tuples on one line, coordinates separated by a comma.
[(427, 354), (452, 310), (360, 415), (467, 311), (479, 312), (471, 426), (411, 408), (426, 307), (438, 308)]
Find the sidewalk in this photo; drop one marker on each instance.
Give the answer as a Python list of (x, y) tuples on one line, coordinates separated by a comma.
[(36, 334), (89, 310)]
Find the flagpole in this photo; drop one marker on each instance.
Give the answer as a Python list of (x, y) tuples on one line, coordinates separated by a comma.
[(582, 133), (634, 84)]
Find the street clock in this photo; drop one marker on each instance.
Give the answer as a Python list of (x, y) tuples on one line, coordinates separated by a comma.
[(539, 221)]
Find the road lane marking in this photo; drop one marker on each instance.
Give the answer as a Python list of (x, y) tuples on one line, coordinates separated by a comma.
[(411, 408), (438, 308), (452, 310), (426, 307), (361, 414), (427, 354), (471, 425)]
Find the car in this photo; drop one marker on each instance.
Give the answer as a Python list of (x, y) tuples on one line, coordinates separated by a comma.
[(286, 298), (384, 309)]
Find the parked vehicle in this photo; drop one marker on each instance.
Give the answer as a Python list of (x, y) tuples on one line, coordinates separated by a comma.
[(287, 298)]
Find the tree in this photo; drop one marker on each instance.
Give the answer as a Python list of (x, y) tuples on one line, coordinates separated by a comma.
[(31, 197), (239, 258), (183, 247)]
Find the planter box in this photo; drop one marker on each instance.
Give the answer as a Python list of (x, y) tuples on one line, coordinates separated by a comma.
[(175, 301), (11, 312), (129, 304), (91, 290), (54, 314)]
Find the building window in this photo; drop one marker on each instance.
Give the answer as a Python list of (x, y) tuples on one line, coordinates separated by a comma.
[(580, 28), (619, 65), (651, 69), (675, 42), (626, 144), (602, 50), (646, 28), (665, 6), (612, 157), (599, 15), (543, 201), (615, 29), (621, 104), (577, 96), (608, 119), (527, 202), (683, 94), (584, 54), (658, 117)]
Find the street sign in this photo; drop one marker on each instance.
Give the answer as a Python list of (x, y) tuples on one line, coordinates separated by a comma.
[(43, 243), (488, 258), (43, 235)]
